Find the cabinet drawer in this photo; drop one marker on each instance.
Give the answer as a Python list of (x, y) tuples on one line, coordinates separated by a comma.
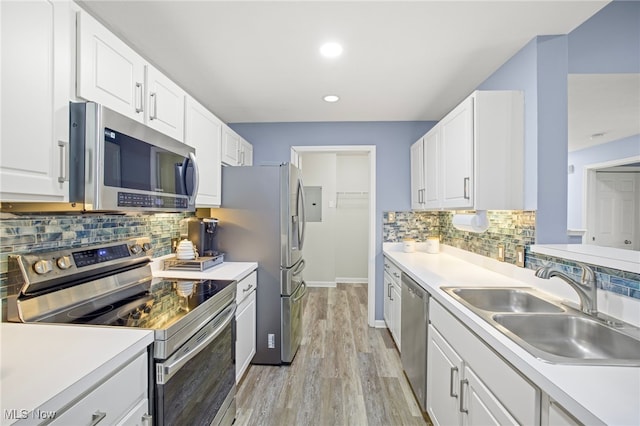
[(392, 270), (246, 286), (113, 399), (510, 388)]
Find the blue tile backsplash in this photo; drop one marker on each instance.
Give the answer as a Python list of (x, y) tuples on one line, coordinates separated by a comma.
[(40, 232), (511, 228)]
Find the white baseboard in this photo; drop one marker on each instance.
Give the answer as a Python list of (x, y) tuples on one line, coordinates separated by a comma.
[(321, 283), (352, 280), (380, 324)]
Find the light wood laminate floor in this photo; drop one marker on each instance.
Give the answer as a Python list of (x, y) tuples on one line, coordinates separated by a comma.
[(345, 373)]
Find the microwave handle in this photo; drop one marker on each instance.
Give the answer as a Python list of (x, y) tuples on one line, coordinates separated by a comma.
[(196, 178)]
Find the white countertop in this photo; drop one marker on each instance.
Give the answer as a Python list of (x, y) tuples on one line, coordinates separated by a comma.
[(44, 367), (224, 271), (610, 257), (593, 394)]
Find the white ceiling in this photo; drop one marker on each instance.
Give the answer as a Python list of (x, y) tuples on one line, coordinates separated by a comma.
[(606, 104), (259, 61)]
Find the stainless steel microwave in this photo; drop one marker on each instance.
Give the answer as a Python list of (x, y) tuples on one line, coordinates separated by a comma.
[(119, 164)]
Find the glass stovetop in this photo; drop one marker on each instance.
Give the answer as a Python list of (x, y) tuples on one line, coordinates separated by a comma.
[(164, 303)]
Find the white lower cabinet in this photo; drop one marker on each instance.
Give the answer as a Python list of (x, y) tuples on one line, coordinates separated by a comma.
[(554, 414), (245, 323), (468, 384), (392, 299), (121, 399)]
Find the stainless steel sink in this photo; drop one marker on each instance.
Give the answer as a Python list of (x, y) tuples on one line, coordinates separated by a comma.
[(568, 338), (499, 299), (549, 330)]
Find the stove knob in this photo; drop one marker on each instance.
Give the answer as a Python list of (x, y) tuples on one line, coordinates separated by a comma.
[(42, 267), (146, 246), (135, 249), (64, 262)]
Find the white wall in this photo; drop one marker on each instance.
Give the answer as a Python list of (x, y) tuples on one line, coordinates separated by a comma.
[(352, 217), (336, 248)]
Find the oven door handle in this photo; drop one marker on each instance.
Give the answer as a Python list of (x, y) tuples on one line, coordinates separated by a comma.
[(164, 371)]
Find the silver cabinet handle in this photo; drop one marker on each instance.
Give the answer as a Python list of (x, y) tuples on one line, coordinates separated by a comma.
[(462, 384), (64, 161), (451, 373), (244, 290), (389, 290), (627, 241), (395, 274), (97, 417), (139, 97), (153, 97), (390, 296), (466, 188)]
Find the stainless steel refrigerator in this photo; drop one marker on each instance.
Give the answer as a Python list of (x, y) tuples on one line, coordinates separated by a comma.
[(262, 219)]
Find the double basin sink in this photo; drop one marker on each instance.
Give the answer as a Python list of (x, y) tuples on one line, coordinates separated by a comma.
[(550, 330)]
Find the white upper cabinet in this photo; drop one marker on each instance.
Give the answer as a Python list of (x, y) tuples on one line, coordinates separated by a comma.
[(456, 131), (109, 72), (473, 158), (165, 104), (35, 79), (203, 131), (113, 74), (235, 150), (417, 175)]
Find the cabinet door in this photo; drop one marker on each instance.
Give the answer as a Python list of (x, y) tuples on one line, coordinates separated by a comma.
[(396, 315), (230, 147), (35, 81), (109, 71), (480, 406), (246, 153), (165, 100), (203, 131), (417, 175), (444, 368), (138, 416), (245, 334), (457, 156), (431, 163), (558, 416), (388, 283)]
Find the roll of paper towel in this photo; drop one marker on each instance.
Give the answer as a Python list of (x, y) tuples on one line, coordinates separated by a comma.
[(477, 222)]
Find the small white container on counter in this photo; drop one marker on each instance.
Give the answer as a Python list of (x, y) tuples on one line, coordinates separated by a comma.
[(433, 245), (408, 245)]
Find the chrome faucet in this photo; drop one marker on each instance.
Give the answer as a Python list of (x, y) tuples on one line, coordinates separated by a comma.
[(586, 288)]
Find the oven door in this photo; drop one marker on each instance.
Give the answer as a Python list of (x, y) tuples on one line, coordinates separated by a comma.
[(196, 385)]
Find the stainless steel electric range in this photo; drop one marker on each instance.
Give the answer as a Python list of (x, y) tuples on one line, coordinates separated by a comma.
[(192, 365)]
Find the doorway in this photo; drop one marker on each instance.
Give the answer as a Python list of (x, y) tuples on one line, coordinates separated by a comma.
[(612, 198), (342, 179)]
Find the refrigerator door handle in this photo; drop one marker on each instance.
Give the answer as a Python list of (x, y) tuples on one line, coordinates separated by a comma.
[(302, 223), (299, 268), (303, 289)]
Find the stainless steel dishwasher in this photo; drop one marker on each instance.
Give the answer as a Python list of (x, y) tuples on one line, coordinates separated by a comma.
[(414, 322)]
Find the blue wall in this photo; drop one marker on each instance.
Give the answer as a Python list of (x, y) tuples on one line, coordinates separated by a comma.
[(272, 143), (608, 42), (540, 71)]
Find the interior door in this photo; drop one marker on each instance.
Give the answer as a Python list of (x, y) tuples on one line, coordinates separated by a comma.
[(617, 210)]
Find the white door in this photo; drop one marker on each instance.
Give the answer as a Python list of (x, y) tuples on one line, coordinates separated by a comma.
[(109, 71), (457, 156), (617, 210), (417, 175), (36, 67)]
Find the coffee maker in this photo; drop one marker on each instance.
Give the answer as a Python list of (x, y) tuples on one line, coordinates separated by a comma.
[(201, 232)]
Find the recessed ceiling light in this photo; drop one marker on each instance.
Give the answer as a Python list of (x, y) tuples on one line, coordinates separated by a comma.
[(331, 98), (331, 50)]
